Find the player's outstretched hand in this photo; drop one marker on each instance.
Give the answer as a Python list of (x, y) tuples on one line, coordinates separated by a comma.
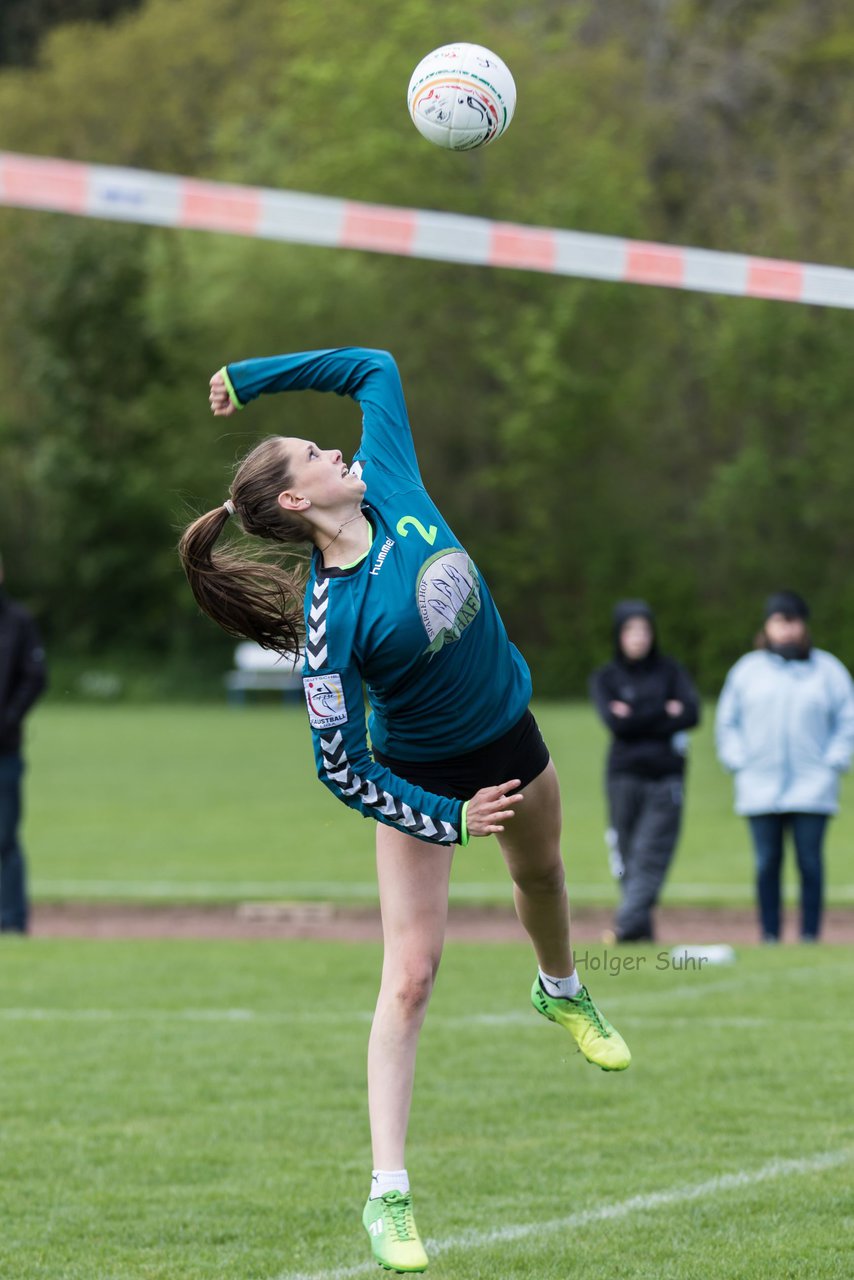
[(221, 405), (490, 808)]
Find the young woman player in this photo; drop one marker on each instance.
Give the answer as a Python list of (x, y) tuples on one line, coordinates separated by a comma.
[(394, 605)]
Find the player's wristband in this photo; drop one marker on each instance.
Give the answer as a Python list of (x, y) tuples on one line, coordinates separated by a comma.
[(229, 386), (464, 831)]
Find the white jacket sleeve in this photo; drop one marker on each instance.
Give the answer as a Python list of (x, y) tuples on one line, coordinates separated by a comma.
[(729, 738), (840, 746)]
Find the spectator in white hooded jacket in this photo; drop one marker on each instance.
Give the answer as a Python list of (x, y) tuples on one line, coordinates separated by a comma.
[(785, 729)]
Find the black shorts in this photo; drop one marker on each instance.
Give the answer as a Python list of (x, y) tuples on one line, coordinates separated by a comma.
[(519, 753)]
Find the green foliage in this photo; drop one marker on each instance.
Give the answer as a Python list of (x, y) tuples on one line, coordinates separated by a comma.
[(24, 23), (586, 440)]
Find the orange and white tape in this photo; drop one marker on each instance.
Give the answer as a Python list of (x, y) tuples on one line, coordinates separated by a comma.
[(137, 195)]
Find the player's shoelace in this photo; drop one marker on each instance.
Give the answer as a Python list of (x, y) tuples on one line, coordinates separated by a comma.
[(402, 1219), (583, 1001)]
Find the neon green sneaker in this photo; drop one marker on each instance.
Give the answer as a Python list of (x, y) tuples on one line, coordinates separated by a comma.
[(395, 1241), (593, 1034)]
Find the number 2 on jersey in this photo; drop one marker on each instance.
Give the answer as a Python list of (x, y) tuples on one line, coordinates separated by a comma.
[(429, 535)]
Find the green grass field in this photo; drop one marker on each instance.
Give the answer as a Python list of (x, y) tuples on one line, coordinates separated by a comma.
[(190, 1111), (195, 803)]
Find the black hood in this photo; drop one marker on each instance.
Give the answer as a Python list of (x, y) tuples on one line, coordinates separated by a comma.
[(623, 610), (789, 603)]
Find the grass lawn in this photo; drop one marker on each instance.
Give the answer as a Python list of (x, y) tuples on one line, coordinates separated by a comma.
[(193, 803), (196, 1111)]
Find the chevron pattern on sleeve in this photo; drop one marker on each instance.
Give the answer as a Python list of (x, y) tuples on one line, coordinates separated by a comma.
[(339, 771), (315, 632)]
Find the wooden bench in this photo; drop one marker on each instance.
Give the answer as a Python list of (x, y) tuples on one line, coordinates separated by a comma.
[(261, 670)]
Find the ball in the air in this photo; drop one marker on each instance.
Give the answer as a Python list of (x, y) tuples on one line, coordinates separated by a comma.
[(461, 96)]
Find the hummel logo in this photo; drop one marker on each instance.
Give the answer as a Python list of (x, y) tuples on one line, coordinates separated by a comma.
[(384, 550)]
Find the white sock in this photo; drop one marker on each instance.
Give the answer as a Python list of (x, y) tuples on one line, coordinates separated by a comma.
[(560, 988), (383, 1180)]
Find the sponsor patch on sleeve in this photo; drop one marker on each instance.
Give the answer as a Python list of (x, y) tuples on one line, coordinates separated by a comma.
[(324, 697)]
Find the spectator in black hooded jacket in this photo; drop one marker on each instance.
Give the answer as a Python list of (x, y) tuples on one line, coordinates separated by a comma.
[(22, 679), (647, 701)]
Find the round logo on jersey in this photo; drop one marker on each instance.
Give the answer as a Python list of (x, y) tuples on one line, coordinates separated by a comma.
[(448, 594), (324, 697)]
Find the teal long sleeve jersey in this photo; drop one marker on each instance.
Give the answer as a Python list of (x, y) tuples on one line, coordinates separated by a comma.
[(413, 622)]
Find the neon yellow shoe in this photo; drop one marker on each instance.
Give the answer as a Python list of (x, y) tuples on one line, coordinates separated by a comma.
[(395, 1241), (593, 1033)]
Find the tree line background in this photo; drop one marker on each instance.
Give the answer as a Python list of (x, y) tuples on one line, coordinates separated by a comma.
[(586, 440)]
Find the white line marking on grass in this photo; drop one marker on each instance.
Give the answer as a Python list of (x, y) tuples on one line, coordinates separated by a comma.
[(226, 891), (740, 892), (229, 1016), (256, 1016), (515, 1021), (693, 988), (602, 1213), (340, 890)]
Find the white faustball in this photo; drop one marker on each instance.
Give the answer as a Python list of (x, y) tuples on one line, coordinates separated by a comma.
[(461, 96)]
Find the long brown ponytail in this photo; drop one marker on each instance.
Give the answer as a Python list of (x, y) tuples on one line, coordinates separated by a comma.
[(251, 596)]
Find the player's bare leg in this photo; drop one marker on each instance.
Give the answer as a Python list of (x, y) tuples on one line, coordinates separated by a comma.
[(530, 843), (413, 883)]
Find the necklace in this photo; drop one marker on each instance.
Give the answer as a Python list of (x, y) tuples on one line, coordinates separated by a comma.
[(340, 527)]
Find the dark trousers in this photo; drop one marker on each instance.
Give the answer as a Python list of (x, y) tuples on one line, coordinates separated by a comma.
[(646, 814), (768, 831), (13, 884)]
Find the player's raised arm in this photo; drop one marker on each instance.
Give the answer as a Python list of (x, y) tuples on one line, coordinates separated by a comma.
[(347, 371), (368, 376)]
